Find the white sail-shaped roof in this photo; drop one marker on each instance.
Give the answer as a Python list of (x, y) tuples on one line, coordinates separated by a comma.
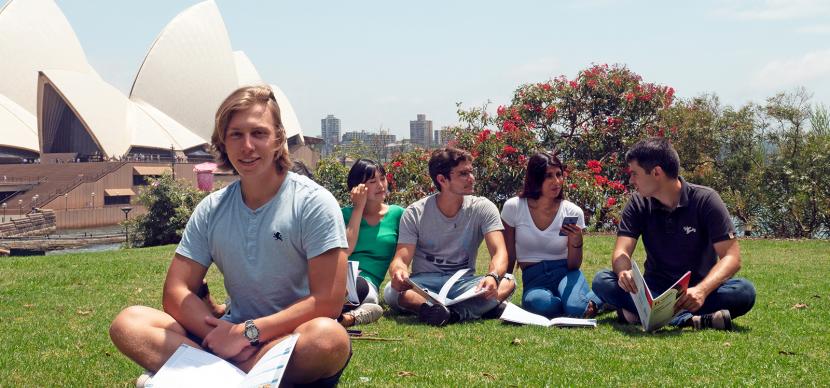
[(289, 118), (161, 131), (189, 69), (34, 35), (113, 122), (246, 73), (18, 127)]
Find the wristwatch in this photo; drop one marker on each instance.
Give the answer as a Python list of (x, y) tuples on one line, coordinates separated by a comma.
[(251, 332), (495, 277)]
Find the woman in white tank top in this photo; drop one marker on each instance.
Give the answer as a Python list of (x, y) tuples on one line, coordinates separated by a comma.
[(548, 250)]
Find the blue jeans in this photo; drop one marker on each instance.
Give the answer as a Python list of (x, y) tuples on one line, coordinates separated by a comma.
[(736, 295), (550, 289), (469, 309)]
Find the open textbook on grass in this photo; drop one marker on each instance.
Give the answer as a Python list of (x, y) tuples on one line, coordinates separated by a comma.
[(441, 297), (516, 314), (351, 283), (191, 367), (656, 312)]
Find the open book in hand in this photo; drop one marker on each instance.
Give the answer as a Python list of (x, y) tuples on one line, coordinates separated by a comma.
[(191, 367), (516, 314), (656, 312), (441, 297), (351, 283)]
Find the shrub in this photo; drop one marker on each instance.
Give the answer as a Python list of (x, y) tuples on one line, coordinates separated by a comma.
[(169, 204)]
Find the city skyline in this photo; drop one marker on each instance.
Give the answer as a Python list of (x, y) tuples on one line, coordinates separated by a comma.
[(364, 63)]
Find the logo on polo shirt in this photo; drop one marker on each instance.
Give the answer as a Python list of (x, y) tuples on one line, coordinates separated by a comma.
[(689, 229), (277, 236)]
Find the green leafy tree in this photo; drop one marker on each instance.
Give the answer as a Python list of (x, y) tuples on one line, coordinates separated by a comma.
[(331, 174), (169, 204)]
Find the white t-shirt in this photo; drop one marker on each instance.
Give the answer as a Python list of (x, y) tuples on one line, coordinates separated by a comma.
[(534, 245)]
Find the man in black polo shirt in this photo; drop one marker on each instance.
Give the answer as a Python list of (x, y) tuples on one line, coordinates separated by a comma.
[(685, 227)]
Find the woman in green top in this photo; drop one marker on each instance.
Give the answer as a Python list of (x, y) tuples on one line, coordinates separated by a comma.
[(372, 232)]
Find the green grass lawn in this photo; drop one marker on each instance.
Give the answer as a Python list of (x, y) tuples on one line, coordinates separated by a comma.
[(56, 311)]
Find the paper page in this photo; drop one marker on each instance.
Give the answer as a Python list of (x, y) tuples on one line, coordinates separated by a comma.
[(573, 322), (471, 293), (351, 283), (445, 289), (270, 368), (662, 310), (191, 367), (516, 314), (642, 298), (424, 293)]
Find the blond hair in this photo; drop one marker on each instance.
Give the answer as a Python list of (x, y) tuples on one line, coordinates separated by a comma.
[(242, 99)]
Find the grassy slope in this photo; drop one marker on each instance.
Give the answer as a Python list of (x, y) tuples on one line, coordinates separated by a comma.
[(56, 311)]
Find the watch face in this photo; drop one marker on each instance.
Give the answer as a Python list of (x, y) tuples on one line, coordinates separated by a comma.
[(251, 332)]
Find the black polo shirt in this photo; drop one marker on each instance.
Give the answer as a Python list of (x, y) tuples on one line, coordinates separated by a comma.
[(682, 239)]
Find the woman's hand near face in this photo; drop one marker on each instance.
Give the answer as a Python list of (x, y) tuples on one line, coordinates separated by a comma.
[(358, 196)]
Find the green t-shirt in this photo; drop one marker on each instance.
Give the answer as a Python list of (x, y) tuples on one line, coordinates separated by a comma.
[(375, 246)]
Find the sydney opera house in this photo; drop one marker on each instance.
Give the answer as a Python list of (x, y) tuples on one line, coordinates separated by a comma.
[(55, 109)]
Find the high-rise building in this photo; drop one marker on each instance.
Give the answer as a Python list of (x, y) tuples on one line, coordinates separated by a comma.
[(442, 136), (420, 131), (330, 132)]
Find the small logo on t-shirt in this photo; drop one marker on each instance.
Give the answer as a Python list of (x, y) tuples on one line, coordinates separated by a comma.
[(277, 236), (689, 229)]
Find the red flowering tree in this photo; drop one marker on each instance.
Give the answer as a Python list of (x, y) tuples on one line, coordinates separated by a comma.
[(589, 120)]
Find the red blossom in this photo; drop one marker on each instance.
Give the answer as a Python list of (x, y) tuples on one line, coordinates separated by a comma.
[(500, 110), (546, 87), (616, 185), (592, 83), (595, 166), (508, 150), (629, 96), (483, 135), (509, 126), (550, 111), (397, 164), (611, 202), (572, 186), (600, 180), (573, 84), (522, 159)]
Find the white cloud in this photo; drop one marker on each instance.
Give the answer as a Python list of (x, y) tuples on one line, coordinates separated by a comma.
[(537, 70), (817, 29), (786, 73), (775, 9)]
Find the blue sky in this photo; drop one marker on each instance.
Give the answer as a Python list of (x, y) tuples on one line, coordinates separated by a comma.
[(374, 63)]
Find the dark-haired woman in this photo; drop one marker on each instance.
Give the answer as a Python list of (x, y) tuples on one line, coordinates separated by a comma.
[(372, 232), (548, 252)]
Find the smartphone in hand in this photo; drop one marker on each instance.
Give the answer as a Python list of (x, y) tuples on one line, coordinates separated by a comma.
[(570, 220)]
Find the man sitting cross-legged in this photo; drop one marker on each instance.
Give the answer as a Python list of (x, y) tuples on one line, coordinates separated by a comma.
[(685, 227), (277, 237), (439, 235)]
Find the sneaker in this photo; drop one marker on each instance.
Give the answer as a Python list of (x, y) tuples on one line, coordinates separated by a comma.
[(144, 379), (435, 315), (719, 320), (366, 313)]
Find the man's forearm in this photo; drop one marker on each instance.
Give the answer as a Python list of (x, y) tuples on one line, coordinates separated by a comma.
[(188, 310), (620, 262), (286, 321), (721, 272)]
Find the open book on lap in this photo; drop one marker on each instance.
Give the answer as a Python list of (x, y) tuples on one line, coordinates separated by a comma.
[(441, 297), (192, 367), (516, 314), (656, 312)]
